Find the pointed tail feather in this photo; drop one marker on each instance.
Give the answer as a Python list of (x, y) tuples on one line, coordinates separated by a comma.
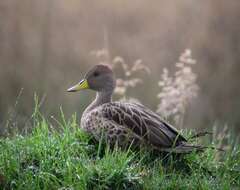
[(201, 134), (188, 148)]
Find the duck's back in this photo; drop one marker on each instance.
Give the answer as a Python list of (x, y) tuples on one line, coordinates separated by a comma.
[(123, 122)]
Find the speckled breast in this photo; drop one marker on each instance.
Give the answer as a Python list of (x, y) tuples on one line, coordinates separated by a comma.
[(97, 125), (92, 121)]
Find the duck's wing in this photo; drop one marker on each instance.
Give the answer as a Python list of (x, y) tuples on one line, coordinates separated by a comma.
[(144, 123)]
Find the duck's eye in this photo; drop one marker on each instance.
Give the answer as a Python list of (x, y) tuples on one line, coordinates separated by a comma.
[(95, 74)]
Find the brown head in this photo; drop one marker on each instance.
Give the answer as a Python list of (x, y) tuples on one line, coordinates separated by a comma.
[(99, 78)]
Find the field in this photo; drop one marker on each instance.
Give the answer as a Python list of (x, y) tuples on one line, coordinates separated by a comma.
[(59, 155), (178, 58)]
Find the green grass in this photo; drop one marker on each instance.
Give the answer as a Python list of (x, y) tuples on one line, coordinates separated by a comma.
[(66, 158)]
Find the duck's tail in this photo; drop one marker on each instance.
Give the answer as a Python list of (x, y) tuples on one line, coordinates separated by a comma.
[(184, 148), (201, 134)]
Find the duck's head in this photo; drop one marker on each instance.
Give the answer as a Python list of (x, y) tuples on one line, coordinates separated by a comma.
[(99, 78)]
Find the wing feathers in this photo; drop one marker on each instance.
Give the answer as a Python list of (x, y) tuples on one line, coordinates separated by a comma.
[(143, 122)]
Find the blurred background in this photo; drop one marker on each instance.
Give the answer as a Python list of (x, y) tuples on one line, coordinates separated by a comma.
[(45, 48)]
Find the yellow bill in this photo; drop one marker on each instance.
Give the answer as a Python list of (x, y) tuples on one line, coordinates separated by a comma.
[(83, 84)]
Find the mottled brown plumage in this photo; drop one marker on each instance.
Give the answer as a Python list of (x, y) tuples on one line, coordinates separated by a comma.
[(125, 123)]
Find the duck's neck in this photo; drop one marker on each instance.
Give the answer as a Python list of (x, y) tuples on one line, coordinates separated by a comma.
[(101, 98)]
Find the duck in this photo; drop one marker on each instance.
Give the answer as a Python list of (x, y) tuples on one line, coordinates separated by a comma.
[(125, 123)]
